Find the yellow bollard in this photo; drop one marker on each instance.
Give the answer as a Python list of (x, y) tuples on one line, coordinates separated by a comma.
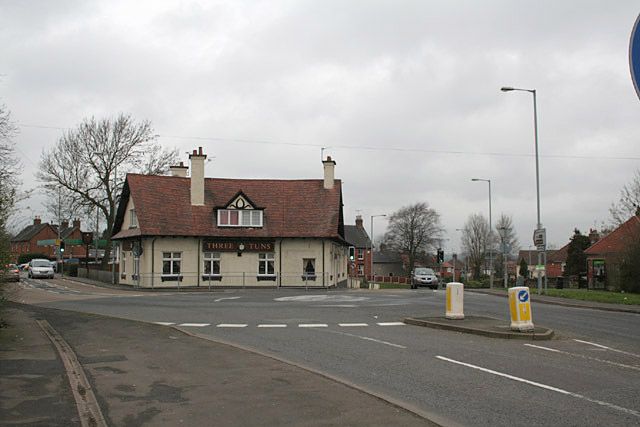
[(455, 301), (520, 308)]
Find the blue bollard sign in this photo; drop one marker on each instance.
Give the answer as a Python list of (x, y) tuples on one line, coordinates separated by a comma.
[(634, 55)]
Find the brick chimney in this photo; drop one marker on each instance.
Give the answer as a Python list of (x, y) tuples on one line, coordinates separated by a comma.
[(76, 222), (359, 222), (329, 166), (37, 220), (179, 170), (64, 224), (594, 236), (197, 177)]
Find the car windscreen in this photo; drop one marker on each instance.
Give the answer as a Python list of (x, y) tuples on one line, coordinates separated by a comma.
[(40, 264), (423, 271)]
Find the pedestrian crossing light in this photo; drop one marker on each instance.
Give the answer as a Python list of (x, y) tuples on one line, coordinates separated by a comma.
[(352, 253), (61, 246), (440, 255)]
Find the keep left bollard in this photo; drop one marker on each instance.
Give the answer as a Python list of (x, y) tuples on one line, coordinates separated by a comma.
[(520, 308), (455, 301)]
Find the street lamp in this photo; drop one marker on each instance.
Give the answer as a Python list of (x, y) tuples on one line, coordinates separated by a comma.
[(373, 216), (490, 232), (539, 224)]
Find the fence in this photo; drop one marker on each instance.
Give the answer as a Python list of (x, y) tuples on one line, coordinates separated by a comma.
[(389, 279), (93, 274)]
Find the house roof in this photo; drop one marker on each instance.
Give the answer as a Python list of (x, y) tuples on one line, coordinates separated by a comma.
[(292, 208), (559, 255), (29, 232), (387, 258), (618, 239), (356, 236)]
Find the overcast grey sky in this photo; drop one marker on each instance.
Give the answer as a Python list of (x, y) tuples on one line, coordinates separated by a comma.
[(406, 94)]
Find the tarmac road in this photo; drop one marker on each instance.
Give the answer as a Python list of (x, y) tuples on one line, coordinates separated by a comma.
[(588, 376)]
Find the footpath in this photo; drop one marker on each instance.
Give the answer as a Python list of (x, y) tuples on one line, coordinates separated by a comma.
[(139, 374)]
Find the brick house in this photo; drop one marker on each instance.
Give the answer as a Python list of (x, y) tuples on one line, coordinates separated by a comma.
[(603, 255), (230, 232), (26, 241), (357, 237)]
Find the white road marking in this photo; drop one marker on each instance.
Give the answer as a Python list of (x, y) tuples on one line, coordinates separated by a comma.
[(337, 305), (347, 325), (582, 356), (313, 325), (272, 325), (607, 348), (390, 323), (323, 298), (164, 323), (369, 339), (231, 325), (543, 386), (225, 298), (195, 325)]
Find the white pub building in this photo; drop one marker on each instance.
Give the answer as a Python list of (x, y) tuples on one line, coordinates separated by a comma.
[(194, 231)]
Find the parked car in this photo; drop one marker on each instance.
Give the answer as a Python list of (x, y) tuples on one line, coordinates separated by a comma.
[(11, 273), (424, 277), (40, 268), (23, 267)]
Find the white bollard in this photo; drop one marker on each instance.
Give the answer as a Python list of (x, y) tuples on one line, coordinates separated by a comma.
[(455, 301), (520, 308)]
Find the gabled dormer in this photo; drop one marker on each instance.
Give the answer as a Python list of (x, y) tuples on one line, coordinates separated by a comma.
[(240, 211)]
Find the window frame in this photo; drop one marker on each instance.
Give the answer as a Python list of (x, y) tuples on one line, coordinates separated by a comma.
[(172, 259), (210, 257), (222, 213), (267, 258), (360, 254), (133, 219)]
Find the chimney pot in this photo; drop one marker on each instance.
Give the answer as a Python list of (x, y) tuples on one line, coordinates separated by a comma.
[(64, 223), (37, 220), (76, 222)]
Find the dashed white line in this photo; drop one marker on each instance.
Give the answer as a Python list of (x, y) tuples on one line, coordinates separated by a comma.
[(348, 325), (391, 324), (368, 339), (195, 325), (582, 356), (543, 386), (607, 348), (225, 298), (313, 325), (231, 325), (272, 325), (164, 323)]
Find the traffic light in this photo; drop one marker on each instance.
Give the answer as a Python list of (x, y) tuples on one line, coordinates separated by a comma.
[(62, 246), (352, 253), (440, 255)]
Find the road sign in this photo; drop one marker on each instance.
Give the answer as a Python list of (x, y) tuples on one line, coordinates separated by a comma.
[(634, 55), (540, 237), (523, 296)]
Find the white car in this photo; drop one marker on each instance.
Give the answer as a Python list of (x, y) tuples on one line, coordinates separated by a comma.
[(40, 268), (424, 277)]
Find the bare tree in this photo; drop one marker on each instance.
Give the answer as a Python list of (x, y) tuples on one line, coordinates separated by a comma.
[(414, 229), (508, 242), (476, 241), (628, 203), (85, 160), (9, 182)]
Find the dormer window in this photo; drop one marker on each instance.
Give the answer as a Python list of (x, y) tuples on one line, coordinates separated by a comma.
[(240, 218), (240, 212)]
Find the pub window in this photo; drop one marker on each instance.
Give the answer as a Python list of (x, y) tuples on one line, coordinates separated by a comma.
[(171, 263), (309, 269), (360, 269), (133, 219), (212, 263), (360, 253), (266, 264), (240, 218), (123, 262)]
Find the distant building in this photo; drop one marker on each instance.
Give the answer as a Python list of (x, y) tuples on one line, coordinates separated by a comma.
[(603, 255), (387, 263), (26, 241), (357, 237)]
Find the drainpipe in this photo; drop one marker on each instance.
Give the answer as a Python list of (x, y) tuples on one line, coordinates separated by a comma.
[(199, 242), (153, 262), (280, 265), (323, 272)]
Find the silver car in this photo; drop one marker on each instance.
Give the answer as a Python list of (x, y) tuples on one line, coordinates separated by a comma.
[(40, 268), (424, 277)]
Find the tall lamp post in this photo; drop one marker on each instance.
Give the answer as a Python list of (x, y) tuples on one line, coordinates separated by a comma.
[(541, 252), (373, 216), (490, 232)]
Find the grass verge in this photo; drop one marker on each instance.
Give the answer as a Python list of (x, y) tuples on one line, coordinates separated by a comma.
[(597, 296)]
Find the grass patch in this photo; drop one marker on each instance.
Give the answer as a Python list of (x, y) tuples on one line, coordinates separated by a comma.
[(597, 296)]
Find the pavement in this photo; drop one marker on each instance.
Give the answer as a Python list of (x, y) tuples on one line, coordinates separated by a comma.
[(146, 374)]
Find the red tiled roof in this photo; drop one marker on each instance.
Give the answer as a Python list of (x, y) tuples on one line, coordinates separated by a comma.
[(618, 239), (559, 255), (292, 208)]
